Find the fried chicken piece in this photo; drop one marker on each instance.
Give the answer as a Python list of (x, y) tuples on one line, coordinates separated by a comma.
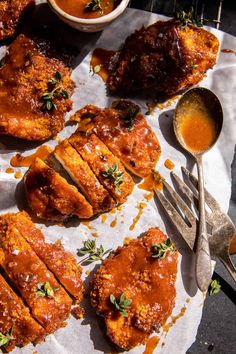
[(34, 91), (49, 303), (84, 177), (60, 262), (108, 168), (51, 197), (164, 57), (126, 133), (148, 282), (16, 319), (11, 13)]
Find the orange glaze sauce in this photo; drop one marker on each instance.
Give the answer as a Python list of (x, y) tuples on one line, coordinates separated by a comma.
[(228, 51), (103, 218), (140, 208), (9, 170), (77, 8), (197, 131), (174, 319), (42, 152), (100, 62), (114, 222), (154, 180), (169, 164), (18, 174), (151, 345)]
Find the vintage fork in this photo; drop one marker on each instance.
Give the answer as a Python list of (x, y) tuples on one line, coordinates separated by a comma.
[(223, 228)]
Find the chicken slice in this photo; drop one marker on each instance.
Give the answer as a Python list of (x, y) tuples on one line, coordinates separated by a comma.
[(84, 177), (126, 133), (35, 92), (16, 319), (60, 262), (49, 303), (149, 284), (51, 197), (108, 168), (11, 13), (164, 58)]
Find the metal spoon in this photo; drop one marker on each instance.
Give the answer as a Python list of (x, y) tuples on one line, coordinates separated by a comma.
[(197, 102)]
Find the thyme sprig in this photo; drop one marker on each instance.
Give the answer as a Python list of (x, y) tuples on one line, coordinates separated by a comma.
[(121, 304), (160, 250), (214, 287), (188, 17), (94, 5), (116, 175), (94, 253), (5, 338), (45, 289), (55, 92)]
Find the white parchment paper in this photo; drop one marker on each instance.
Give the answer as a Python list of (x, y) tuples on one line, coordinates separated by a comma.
[(87, 336)]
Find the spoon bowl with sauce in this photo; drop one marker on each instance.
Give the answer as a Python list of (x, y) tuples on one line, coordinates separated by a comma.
[(197, 123)]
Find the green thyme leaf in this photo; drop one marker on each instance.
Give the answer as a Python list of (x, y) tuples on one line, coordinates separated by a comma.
[(97, 69), (116, 175), (57, 92), (45, 289), (5, 338), (93, 5), (160, 250), (214, 287), (121, 304), (188, 17), (94, 253)]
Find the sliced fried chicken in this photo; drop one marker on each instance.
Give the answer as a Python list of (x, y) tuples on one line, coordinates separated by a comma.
[(164, 57), (49, 303), (108, 168), (134, 292), (16, 320), (124, 130), (84, 177), (51, 197), (60, 262), (35, 92), (11, 13)]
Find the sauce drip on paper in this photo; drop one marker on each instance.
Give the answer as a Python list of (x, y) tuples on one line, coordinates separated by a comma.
[(19, 160), (101, 61)]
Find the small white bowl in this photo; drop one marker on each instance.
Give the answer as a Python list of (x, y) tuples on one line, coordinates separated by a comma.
[(89, 24)]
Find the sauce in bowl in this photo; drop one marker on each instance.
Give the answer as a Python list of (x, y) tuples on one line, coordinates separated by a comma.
[(87, 8)]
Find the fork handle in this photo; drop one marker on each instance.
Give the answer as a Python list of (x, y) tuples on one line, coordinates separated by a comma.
[(226, 260), (203, 257)]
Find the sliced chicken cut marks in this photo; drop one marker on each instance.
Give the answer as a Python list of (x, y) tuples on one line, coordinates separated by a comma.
[(107, 168), (124, 130), (83, 176), (16, 319), (51, 197)]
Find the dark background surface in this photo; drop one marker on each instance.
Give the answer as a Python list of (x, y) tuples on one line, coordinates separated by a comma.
[(217, 331)]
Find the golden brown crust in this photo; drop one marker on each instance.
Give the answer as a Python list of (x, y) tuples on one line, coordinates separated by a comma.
[(100, 159), (27, 271), (138, 147), (60, 262), (11, 12), (51, 197), (15, 316), (84, 177), (148, 282), (24, 78), (164, 57)]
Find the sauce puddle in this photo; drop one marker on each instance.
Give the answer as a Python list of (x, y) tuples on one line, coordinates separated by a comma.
[(9, 170), (169, 164), (151, 345), (18, 174), (228, 51), (19, 160), (154, 180), (100, 62), (141, 206)]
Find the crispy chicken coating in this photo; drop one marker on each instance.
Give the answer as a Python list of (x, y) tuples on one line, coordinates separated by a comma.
[(124, 130), (51, 197), (164, 57), (16, 319), (35, 92), (49, 303), (60, 262), (148, 282), (83, 176), (107, 168), (11, 12)]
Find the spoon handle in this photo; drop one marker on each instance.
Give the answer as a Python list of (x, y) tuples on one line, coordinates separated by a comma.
[(203, 258)]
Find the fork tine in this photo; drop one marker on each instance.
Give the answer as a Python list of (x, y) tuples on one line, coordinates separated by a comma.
[(181, 204), (176, 219), (211, 202)]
